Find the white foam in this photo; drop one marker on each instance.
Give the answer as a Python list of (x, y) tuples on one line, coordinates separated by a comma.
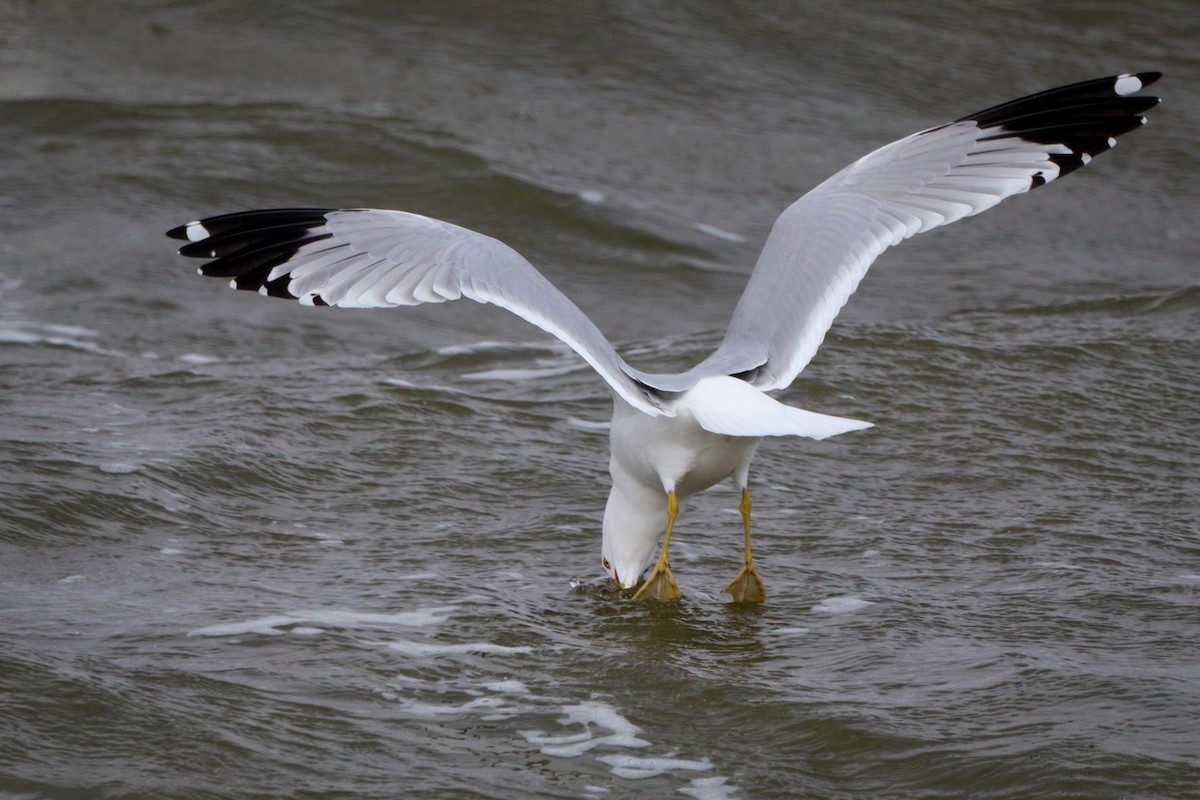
[(424, 710), (590, 425), (623, 732), (73, 579), (425, 649), (263, 625), (719, 233), (594, 716), (36, 333), (418, 576), (716, 788), (486, 345), (317, 536), (7, 795), (595, 713), (56, 329), (422, 617), (511, 575), (565, 746), (1127, 84), (593, 197), (512, 686), (795, 631), (197, 359), (517, 375), (841, 605), (278, 624), (636, 767)]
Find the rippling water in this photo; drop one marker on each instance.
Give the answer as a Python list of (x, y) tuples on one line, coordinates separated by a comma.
[(251, 550)]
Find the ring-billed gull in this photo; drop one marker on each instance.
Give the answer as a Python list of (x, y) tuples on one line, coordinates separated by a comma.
[(673, 435)]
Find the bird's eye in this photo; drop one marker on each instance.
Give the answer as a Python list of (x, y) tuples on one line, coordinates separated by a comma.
[(604, 562)]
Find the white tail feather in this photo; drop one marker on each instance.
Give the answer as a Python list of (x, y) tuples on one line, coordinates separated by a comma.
[(732, 407)]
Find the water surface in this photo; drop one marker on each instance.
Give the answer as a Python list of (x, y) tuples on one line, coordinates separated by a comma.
[(249, 549)]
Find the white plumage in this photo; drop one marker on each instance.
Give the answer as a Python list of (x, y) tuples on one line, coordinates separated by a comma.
[(677, 434)]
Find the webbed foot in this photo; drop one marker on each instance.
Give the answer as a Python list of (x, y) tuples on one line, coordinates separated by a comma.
[(659, 586), (747, 587)]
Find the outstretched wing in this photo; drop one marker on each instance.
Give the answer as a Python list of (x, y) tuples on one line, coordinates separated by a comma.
[(368, 258), (822, 245)]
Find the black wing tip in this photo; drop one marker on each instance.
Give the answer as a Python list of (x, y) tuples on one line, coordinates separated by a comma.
[(1074, 123), (1128, 84), (187, 231), (1146, 78), (246, 246), (1095, 94), (207, 227)]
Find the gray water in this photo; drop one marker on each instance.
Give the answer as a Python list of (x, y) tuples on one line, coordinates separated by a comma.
[(252, 550)]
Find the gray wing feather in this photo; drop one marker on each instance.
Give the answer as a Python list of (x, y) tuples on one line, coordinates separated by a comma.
[(818, 251), (822, 245), (371, 258)]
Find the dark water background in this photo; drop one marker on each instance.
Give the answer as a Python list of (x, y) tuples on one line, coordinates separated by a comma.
[(253, 550)]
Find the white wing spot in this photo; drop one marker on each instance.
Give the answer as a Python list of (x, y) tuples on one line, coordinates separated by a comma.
[(1112, 142), (196, 231), (1127, 84)]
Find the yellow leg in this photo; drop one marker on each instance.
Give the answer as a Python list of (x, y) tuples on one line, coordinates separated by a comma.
[(747, 587), (661, 583)]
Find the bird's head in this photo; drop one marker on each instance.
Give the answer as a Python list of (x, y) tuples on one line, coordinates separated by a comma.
[(630, 534)]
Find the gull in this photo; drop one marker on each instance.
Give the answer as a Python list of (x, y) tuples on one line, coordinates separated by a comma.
[(677, 434)]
